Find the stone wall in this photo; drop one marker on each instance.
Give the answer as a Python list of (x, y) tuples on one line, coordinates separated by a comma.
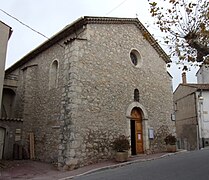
[(39, 105), (76, 122), (101, 87)]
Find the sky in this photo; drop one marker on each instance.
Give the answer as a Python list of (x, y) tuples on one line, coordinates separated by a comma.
[(50, 16)]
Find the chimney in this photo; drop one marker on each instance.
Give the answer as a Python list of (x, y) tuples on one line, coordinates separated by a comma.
[(184, 78)]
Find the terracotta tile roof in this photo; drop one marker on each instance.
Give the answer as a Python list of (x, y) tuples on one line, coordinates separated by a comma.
[(197, 86)]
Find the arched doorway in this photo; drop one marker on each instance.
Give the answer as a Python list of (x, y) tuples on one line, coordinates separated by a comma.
[(136, 131), (135, 111), (2, 134)]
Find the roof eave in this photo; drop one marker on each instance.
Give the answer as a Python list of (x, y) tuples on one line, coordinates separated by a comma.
[(45, 45), (78, 24)]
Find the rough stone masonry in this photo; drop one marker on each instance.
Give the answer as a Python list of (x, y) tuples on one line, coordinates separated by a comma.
[(76, 117)]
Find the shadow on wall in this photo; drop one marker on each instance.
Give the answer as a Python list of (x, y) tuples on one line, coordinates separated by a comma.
[(188, 137), (7, 103), (11, 139)]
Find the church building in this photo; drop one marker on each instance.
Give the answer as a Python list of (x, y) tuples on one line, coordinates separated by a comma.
[(96, 79)]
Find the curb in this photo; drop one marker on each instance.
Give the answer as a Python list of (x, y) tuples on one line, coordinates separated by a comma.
[(121, 165)]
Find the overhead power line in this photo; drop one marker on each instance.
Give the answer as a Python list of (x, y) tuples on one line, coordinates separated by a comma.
[(116, 7), (27, 25), (23, 23)]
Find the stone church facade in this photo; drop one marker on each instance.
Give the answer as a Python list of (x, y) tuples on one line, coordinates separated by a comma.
[(96, 79)]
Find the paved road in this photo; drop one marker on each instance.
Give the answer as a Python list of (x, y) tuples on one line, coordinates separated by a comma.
[(184, 166)]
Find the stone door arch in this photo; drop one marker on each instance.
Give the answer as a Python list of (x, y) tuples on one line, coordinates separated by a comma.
[(136, 131), (138, 118)]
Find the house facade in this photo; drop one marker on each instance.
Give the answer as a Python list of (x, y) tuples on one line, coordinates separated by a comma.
[(191, 111), (5, 33), (96, 79)]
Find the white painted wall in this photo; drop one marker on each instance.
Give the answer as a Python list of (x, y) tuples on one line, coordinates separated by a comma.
[(203, 75), (203, 114)]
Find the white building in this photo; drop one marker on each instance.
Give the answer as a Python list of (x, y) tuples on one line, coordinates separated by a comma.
[(203, 75)]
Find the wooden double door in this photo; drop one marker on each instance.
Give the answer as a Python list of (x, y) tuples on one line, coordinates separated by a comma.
[(136, 132)]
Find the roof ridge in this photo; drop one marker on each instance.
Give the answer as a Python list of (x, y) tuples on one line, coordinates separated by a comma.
[(79, 24)]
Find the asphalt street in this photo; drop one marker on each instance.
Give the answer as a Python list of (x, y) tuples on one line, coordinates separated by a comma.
[(183, 166)]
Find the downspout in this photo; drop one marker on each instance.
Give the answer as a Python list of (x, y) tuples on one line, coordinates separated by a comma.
[(202, 118), (199, 106), (197, 124)]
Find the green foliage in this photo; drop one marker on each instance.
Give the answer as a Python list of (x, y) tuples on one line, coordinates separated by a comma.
[(185, 24), (121, 144)]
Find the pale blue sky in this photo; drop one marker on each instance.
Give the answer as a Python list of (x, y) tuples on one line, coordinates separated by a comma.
[(50, 16)]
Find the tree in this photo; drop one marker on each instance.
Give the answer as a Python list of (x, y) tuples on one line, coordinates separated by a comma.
[(186, 27)]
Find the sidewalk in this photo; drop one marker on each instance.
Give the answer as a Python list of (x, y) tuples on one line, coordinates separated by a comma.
[(26, 169)]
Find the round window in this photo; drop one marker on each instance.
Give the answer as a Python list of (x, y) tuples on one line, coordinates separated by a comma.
[(135, 58)]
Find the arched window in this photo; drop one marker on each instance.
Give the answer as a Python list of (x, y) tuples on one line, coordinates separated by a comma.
[(136, 95), (53, 77)]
